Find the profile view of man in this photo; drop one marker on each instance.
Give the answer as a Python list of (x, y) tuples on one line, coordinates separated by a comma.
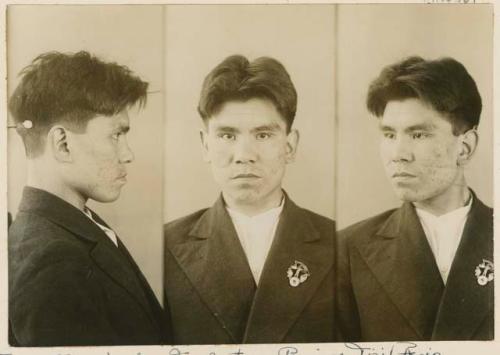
[(423, 271), (71, 280), (254, 267)]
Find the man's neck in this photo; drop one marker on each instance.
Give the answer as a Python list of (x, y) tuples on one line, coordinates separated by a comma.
[(50, 182), (250, 210), (455, 197)]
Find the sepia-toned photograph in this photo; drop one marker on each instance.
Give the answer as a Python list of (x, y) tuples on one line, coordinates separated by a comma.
[(85, 175), (249, 174), (415, 173), (314, 178)]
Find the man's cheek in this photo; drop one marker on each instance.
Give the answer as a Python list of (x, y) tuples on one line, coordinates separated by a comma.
[(220, 159), (107, 173), (437, 170), (444, 159)]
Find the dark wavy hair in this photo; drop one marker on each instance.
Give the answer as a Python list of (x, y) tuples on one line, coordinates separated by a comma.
[(237, 79), (444, 84), (71, 89)]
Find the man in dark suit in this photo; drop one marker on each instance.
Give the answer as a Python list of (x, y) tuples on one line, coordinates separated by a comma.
[(254, 267), (423, 271), (71, 280)]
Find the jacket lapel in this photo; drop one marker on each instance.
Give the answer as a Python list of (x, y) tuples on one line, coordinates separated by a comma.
[(155, 307), (122, 268), (102, 250), (465, 303), (112, 262), (401, 259), (276, 304), (215, 263)]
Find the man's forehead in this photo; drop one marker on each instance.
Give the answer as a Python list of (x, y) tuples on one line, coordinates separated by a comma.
[(409, 113), (119, 119), (236, 126), (246, 121), (118, 122), (253, 107)]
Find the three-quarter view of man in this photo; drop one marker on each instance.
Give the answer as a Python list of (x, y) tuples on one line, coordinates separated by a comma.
[(423, 271)]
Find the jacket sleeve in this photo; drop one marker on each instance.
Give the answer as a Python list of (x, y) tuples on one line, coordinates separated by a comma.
[(56, 302)]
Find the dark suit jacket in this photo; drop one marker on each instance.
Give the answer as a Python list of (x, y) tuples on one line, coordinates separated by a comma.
[(390, 288), (210, 292), (70, 285)]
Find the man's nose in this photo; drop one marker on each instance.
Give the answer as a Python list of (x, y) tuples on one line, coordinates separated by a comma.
[(245, 151), (402, 149), (126, 154)]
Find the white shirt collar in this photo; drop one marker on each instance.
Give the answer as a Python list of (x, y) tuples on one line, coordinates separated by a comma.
[(444, 234), (256, 234), (456, 214), (109, 232)]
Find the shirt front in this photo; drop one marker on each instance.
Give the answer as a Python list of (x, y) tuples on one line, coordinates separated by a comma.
[(443, 234), (256, 235), (109, 232)]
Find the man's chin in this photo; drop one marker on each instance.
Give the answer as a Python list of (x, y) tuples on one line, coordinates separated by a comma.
[(106, 198), (245, 199), (244, 196), (406, 195)]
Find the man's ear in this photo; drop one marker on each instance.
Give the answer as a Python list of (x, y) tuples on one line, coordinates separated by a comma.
[(204, 144), (468, 145), (291, 145), (57, 141)]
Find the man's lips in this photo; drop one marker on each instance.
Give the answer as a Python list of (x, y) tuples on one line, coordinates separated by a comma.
[(122, 177), (245, 176), (402, 175)]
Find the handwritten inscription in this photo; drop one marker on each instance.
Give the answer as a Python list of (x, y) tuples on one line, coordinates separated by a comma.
[(398, 348), (403, 348), (176, 351), (288, 350)]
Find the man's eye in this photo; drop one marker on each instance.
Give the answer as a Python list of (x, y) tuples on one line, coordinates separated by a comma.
[(419, 135), (116, 136), (227, 136), (389, 135), (263, 136)]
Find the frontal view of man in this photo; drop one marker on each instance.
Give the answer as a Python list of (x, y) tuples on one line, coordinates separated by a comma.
[(71, 280), (255, 267), (423, 271)]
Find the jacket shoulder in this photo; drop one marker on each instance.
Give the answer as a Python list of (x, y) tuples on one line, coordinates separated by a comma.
[(365, 228), (38, 247), (34, 235), (177, 229), (486, 210), (321, 222)]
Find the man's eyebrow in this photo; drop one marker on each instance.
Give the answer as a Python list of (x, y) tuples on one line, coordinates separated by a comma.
[(226, 129), (266, 128), (385, 128), (420, 127), (417, 127)]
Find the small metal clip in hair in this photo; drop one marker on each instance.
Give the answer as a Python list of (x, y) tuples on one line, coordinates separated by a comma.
[(27, 124)]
